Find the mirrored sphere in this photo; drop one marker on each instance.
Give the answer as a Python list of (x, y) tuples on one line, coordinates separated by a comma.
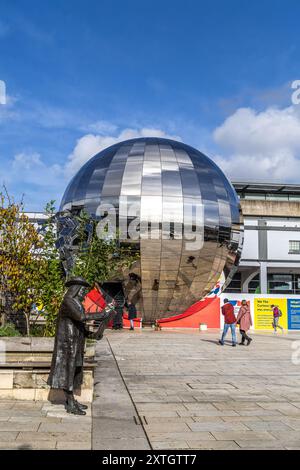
[(176, 207)]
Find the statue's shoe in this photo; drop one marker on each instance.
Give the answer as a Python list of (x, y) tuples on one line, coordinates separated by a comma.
[(74, 409), (81, 405)]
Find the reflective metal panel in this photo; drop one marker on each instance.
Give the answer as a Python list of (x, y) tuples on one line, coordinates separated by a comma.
[(177, 207)]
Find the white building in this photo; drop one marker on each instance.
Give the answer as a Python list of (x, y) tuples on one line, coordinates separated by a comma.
[(270, 262)]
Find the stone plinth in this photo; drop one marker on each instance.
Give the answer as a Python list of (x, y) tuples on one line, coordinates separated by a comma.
[(25, 368)]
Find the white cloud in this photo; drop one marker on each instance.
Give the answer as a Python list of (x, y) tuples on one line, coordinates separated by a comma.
[(101, 127), (260, 145), (29, 168), (25, 161), (90, 144)]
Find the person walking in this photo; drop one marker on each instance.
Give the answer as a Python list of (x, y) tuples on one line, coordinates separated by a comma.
[(118, 318), (131, 313), (277, 313), (229, 322), (244, 320)]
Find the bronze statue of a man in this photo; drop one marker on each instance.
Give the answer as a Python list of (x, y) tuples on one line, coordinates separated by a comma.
[(67, 361)]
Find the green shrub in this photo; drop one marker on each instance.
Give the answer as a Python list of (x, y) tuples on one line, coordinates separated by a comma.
[(37, 330), (9, 330)]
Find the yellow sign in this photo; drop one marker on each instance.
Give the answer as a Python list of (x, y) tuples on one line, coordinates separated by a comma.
[(263, 314)]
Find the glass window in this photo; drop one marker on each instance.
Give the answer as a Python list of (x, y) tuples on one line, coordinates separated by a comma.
[(254, 196), (235, 285), (276, 197), (254, 285), (294, 247), (280, 283)]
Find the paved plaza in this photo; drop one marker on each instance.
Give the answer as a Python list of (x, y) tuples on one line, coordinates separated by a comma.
[(174, 390)]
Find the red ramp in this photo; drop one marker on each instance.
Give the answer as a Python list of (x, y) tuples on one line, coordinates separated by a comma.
[(205, 311)]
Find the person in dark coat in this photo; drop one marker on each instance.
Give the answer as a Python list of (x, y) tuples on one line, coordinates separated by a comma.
[(67, 361), (131, 313), (119, 306)]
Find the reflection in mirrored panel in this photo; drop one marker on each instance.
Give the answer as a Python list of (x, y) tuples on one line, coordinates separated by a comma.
[(175, 207)]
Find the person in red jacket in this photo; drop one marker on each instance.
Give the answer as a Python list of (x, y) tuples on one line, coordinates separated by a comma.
[(229, 322)]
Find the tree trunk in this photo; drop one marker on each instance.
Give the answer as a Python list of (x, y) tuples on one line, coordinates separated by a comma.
[(27, 317)]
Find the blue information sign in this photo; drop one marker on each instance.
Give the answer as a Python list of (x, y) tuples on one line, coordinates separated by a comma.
[(294, 314)]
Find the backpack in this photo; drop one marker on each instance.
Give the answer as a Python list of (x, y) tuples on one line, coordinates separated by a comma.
[(279, 313)]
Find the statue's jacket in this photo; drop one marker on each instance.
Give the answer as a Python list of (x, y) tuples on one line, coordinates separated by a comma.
[(68, 346)]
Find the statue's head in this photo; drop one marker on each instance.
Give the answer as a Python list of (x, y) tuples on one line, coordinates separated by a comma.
[(77, 286)]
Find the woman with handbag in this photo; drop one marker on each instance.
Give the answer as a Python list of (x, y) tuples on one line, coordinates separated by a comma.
[(244, 320)]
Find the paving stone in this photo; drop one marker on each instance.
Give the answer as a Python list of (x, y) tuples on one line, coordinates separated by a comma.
[(33, 419), (200, 406), (6, 436), (239, 419), (30, 413), (236, 406), (242, 435), (166, 427), (56, 436), (67, 445), (260, 413), (160, 407), (24, 405), (66, 416), (293, 423), (122, 444), (176, 436), (213, 445), (28, 445), (201, 413), (297, 404), (63, 427), (160, 414), (288, 436), (212, 426), (170, 445), (268, 426), (260, 445), (116, 429), (283, 407), (77, 420), (6, 405), (170, 421), (21, 426)]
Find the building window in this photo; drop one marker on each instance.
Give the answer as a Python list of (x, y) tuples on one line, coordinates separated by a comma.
[(280, 283), (294, 247), (235, 285), (254, 285)]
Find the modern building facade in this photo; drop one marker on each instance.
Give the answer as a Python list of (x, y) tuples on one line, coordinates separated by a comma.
[(270, 262)]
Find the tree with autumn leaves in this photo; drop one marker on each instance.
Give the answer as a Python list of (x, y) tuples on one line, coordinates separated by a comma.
[(30, 266), (20, 263)]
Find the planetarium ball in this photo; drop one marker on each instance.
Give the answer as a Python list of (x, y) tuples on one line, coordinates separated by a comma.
[(175, 207)]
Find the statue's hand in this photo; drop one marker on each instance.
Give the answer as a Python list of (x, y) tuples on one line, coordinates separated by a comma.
[(103, 315)]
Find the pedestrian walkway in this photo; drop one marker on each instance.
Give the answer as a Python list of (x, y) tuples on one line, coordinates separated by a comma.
[(116, 423), (174, 390), (190, 392), (26, 425)]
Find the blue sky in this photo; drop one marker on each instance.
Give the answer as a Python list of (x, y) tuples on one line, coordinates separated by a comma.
[(81, 75)]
